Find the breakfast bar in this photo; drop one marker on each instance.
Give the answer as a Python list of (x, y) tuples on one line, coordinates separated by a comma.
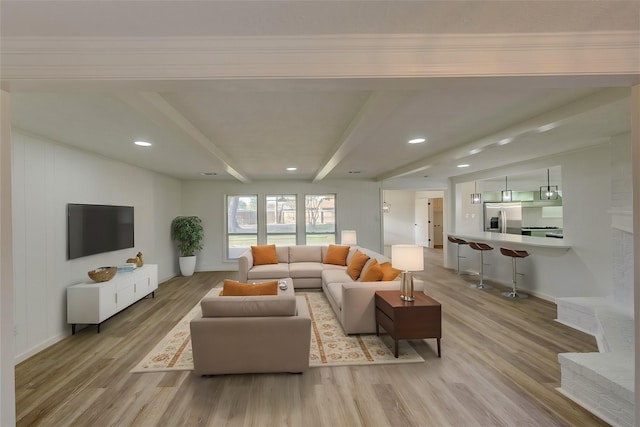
[(537, 274), (516, 241)]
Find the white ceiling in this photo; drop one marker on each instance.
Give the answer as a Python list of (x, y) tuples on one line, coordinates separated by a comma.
[(252, 129)]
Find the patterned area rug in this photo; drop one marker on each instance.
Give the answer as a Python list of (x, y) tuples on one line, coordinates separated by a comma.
[(329, 345)]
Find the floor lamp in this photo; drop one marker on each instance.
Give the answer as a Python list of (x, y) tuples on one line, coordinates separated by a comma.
[(407, 258)]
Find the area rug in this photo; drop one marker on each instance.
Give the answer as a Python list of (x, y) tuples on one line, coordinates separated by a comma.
[(329, 345)]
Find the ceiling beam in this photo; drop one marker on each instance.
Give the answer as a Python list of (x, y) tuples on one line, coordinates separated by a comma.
[(162, 112), (551, 118), (376, 109)]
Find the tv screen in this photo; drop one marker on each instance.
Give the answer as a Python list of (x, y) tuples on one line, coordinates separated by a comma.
[(94, 229)]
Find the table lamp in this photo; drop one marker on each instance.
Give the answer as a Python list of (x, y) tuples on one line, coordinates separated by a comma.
[(407, 258), (348, 237)]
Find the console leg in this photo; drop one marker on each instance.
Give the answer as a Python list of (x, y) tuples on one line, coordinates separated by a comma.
[(438, 347), (73, 329), (99, 327)]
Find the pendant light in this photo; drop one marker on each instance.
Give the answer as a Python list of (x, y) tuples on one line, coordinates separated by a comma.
[(506, 193), (386, 207), (476, 198), (548, 192)]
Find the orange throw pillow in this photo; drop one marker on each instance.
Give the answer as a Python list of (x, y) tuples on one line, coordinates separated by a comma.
[(373, 273), (231, 288), (336, 255), (388, 272), (357, 263), (264, 254)]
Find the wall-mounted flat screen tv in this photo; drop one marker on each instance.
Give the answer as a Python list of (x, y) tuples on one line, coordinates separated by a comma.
[(94, 229)]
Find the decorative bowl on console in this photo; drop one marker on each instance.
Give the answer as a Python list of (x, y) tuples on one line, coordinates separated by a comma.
[(102, 274)]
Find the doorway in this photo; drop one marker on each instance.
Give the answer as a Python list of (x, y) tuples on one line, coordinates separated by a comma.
[(435, 226)]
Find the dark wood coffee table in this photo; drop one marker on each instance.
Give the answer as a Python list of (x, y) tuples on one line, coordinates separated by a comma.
[(405, 320)]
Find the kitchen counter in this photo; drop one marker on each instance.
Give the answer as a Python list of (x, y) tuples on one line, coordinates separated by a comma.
[(515, 241)]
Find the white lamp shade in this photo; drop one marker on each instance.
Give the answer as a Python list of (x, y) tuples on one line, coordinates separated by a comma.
[(348, 237), (407, 257)]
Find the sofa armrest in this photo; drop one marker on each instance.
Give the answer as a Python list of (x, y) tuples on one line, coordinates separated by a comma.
[(245, 262), (358, 314)]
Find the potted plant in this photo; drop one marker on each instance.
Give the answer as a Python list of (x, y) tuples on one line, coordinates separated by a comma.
[(188, 232)]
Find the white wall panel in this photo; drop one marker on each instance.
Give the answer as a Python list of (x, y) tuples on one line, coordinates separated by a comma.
[(398, 222), (47, 176), (166, 192)]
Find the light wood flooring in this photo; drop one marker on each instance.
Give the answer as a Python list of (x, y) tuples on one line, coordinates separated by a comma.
[(498, 368)]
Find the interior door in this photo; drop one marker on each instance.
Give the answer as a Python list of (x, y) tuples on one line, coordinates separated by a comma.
[(421, 222), (436, 221)]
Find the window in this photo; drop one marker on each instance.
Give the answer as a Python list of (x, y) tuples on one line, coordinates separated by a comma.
[(320, 219), (242, 224), (281, 219)]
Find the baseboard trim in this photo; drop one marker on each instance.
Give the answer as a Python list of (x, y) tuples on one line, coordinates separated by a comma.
[(37, 349)]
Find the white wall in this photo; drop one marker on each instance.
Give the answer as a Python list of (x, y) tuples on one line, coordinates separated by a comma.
[(622, 240), (398, 222), (358, 207), (7, 377), (469, 217), (46, 177)]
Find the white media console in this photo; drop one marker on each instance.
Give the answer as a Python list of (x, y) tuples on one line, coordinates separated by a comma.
[(93, 303)]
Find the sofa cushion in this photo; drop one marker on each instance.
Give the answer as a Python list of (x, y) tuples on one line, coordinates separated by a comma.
[(388, 272), (283, 304), (373, 272), (357, 263), (336, 255), (269, 271), (283, 253), (335, 276), (305, 269), (335, 289), (264, 254), (305, 254), (233, 288)]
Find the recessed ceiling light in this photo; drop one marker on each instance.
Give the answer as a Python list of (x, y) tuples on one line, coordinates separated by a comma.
[(417, 140), (547, 127), (475, 151), (505, 141), (463, 166), (292, 168), (143, 143), (208, 173)]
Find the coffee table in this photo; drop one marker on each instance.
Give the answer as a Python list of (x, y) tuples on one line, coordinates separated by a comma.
[(406, 320)]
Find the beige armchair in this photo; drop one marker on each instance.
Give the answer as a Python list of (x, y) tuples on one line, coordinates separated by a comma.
[(251, 334)]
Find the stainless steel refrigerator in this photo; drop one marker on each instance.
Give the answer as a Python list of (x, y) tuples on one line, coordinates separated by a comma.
[(503, 217)]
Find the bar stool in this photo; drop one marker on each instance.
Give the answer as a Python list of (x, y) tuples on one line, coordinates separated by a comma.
[(514, 256), (458, 242), (481, 247)]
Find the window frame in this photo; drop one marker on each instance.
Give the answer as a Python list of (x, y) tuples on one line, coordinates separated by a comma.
[(266, 220), (335, 215), (229, 235)]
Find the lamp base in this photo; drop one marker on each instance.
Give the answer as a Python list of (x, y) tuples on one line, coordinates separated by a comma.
[(406, 287)]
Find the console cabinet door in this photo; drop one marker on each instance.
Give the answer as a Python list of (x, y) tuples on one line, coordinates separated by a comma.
[(91, 303), (126, 291)]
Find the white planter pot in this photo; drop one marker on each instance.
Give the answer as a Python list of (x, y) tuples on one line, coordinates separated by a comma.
[(187, 265)]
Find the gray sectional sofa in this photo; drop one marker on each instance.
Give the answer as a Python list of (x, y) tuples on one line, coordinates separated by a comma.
[(352, 300)]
